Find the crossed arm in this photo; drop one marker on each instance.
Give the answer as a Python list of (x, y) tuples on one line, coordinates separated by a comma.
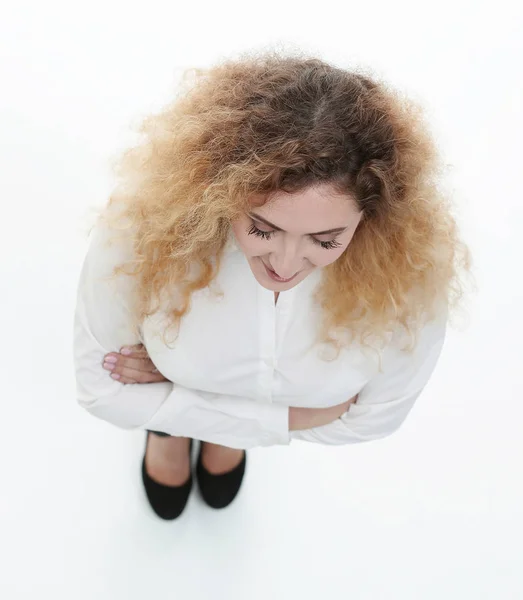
[(101, 325), (132, 365)]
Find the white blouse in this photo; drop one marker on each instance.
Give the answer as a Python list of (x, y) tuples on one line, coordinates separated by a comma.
[(239, 361)]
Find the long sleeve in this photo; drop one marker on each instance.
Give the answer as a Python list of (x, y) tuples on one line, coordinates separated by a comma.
[(385, 401), (102, 324)]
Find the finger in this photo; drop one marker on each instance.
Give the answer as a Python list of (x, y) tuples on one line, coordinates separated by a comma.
[(138, 364), (132, 376), (122, 379), (149, 378), (137, 349)]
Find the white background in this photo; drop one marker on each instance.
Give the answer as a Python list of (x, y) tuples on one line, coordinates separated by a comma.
[(432, 512)]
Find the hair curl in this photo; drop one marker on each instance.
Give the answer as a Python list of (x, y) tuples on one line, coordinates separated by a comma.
[(267, 122)]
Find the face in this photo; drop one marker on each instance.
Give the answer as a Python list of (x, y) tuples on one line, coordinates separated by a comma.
[(285, 239)]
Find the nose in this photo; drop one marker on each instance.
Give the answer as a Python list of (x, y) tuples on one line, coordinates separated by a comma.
[(287, 261)]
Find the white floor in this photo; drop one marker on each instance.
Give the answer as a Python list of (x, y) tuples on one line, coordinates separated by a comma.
[(433, 512)]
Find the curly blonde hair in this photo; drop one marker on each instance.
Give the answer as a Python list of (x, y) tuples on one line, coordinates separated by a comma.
[(267, 122)]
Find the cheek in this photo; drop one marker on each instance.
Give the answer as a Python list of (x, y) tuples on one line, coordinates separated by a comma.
[(322, 257)]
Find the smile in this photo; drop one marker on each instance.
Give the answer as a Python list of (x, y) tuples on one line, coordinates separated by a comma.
[(276, 277)]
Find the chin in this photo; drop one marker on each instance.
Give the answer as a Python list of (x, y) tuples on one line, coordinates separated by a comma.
[(278, 287)]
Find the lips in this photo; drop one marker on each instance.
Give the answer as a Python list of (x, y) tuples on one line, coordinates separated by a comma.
[(276, 277)]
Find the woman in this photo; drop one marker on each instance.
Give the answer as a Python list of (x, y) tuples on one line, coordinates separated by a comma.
[(282, 218)]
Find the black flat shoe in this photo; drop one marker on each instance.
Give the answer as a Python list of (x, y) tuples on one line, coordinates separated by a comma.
[(219, 491), (167, 501)]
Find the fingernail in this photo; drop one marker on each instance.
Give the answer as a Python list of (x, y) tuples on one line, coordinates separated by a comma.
[(125, 351), (110, 359), (115, 376), (109, 366)]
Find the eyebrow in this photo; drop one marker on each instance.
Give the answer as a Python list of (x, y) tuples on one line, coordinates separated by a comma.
[(335, 230)]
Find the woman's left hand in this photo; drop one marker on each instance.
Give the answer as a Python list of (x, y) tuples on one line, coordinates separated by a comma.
[(134, 367)]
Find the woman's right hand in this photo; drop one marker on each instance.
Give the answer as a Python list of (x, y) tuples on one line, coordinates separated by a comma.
[(307, 418)]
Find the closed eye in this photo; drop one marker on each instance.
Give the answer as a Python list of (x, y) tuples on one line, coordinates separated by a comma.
[(268, 234)]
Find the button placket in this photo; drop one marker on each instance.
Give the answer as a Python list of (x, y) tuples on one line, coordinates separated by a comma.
[(274, 320), (267, 337)]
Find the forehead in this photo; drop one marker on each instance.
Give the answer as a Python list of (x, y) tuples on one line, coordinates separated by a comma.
[(313, 209)]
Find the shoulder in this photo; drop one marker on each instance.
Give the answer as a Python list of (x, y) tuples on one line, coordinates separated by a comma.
[(426, 331), (111, 243)]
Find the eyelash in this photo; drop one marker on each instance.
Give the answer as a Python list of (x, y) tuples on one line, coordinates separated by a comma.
[(266, 235)]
